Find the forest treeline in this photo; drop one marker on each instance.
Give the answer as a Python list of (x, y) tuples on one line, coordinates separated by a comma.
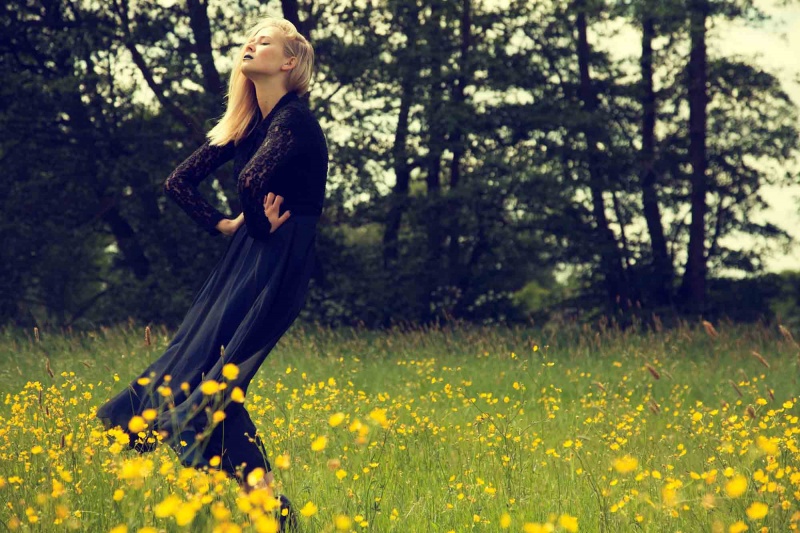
[(490, 161)]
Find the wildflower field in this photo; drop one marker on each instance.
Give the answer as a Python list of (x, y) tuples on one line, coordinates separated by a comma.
[(427, 430)]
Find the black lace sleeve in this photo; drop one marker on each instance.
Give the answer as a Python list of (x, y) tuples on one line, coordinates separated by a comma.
[(272, 159), (181, 185)]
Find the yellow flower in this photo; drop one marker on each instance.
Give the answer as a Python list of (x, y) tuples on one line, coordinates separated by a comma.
[(737, 527), (168, 507), (149, 414), (215, 461), (379, 415), (757, 511), (119, 436), (341, 474), (237, 395), (220, 512), (669, 495), (147, 529), (118, 495), (255, 475), (143, 381), (505, 521), (209, 387), (309, 509), (36, 450), (570, 523), (230, 371), (342, 523), (319, 443), (283, 461), (736, 486), (218, 416), (768, 446), (625, 464), (336, 419), (137, 424), (266, 524), (122, 528), (185, 514)]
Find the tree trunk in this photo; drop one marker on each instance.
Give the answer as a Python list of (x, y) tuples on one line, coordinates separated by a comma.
[(291, 12), (398, 198), (201, 28), (694, 280), (193, 126), (661, 265), (610, 258), (124, 234), (457, 138), (434, 273)]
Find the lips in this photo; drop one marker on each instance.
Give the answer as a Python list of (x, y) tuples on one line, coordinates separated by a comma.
[(247, 56)]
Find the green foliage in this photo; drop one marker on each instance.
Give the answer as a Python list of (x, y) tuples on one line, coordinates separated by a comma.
[(103, 100)]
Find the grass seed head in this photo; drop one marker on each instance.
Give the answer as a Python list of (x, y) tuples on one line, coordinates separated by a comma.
[(709, 327), (760, 358), (784, 331)]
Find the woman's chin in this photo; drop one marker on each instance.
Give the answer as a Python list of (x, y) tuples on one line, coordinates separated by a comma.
[(253, 74)]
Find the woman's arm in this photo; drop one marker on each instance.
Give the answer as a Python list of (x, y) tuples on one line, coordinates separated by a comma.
[(181, 185), (273, 159)]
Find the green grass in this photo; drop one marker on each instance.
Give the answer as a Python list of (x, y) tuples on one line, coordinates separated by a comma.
[(480, 422)]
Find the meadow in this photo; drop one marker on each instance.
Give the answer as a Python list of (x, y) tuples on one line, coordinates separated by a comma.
[(441, 429)]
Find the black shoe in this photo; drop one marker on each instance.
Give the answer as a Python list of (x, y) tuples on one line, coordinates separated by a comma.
[(288, 521)]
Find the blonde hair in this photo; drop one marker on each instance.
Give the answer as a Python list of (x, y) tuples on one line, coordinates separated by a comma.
[(242, 104)]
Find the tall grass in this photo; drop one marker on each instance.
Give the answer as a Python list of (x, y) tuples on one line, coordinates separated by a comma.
[(440, 429)]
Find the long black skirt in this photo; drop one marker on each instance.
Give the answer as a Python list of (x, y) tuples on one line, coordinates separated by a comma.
[(249, 300)]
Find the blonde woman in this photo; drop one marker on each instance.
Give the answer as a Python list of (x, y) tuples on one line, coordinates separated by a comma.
[(259, 286)]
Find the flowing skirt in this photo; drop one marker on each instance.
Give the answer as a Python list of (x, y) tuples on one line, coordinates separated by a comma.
[(246, 304)]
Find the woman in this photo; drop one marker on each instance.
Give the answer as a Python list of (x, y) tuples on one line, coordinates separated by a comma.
[(258, 287)]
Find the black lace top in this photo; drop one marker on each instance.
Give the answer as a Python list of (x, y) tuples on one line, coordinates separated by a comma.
[(286, 154)]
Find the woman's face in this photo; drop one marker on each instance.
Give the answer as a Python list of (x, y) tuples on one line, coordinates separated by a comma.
[(263, 55)]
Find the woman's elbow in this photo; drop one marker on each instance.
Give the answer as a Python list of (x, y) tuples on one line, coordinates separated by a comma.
[(171, 184)]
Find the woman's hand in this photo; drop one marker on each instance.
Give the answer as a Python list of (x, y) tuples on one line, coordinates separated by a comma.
[(272, 205), (228, 226)]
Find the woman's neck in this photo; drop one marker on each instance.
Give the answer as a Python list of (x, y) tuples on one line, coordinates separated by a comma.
[(268, 96)]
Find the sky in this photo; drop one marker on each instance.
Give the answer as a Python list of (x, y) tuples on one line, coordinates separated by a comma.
[(774, 46)]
